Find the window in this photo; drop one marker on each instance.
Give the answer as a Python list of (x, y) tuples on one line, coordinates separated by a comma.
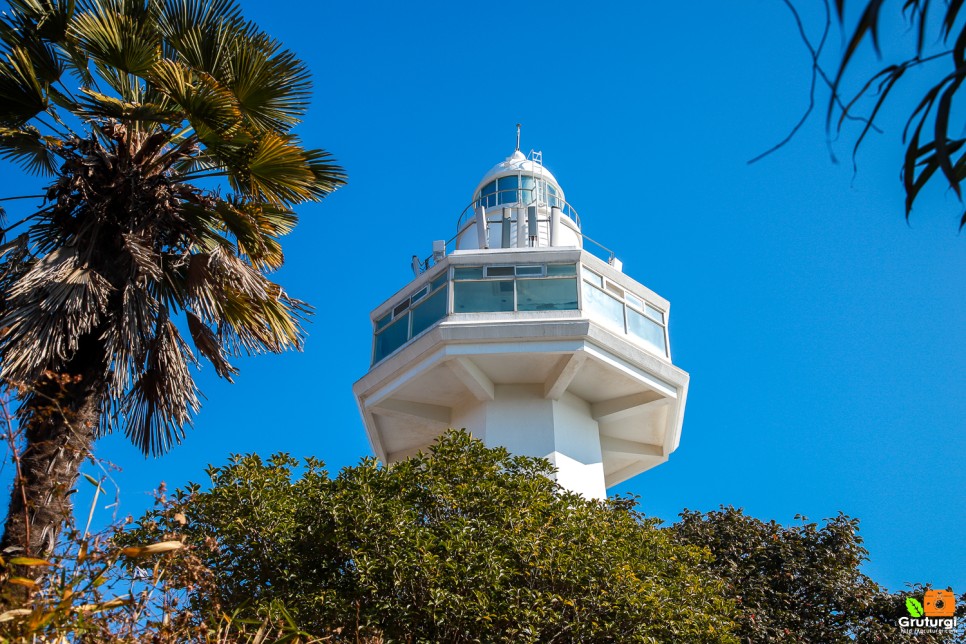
[(410, 317), (552, 200), (646, 329), (527, 195), (547, 295), (528, 287), (428, 312), (499, 271), (561, 269), (507, 189), (488, 195), (621, 309), (478, 289), (477, 297)]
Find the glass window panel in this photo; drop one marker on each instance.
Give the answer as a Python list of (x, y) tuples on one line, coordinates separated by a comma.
[(476, 297), (507, 187), (547, 295), (615, 289), (499, 271), (383, 321), (655, 314), (439, 281), (529, 270), (489, 194), (420, 294), (528, 185), (602, 306), (646, 329), (429, 311), (396, 312), (468, 273), (561, 269), (593, 278), (634, 301), (391, 338)]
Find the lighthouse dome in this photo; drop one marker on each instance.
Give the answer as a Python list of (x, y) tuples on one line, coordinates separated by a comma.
[(520, 204), (518, 179)]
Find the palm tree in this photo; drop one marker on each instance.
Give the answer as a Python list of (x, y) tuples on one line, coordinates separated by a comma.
[(136, 108)]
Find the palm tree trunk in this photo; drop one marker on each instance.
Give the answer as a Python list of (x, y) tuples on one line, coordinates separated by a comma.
[(60, 418), (58, 440)]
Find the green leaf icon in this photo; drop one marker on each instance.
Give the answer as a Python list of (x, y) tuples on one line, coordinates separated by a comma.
[(914, 607)]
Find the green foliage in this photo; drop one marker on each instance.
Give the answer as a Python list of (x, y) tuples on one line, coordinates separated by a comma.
[(461, 544), (798, 584)]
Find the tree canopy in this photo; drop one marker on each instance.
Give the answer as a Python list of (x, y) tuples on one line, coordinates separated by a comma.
[(461, 544), (466, 543), (800, 583)]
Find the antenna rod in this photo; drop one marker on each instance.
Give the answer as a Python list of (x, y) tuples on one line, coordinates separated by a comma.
[(518, 137)]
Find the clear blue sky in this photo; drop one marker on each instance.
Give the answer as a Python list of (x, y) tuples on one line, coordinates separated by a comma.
[(822, 333)]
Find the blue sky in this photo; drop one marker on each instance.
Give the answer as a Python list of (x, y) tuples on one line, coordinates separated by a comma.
[(822, 333)]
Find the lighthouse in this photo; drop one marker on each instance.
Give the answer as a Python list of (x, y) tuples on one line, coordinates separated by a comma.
[(529, 335)]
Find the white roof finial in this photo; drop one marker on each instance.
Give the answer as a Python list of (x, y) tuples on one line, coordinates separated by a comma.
[(518, 137)]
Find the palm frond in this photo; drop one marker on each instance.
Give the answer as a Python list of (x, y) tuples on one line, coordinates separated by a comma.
[(128, 337), (164, 397), (271, 84), (199, 31), (210, 107), (22, 95), (27, 147), (49, 18), (96, 105), (208, 345), (274, 169), (117, 34), (48, 311), (328, 175)]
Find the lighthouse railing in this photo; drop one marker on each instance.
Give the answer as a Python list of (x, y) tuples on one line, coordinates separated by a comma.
[(466, 221)]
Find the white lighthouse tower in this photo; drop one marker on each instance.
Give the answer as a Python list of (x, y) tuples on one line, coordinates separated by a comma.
[(516, 332)]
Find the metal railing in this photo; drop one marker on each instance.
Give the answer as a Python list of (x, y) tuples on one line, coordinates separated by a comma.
[(517, 198), (466, 221)]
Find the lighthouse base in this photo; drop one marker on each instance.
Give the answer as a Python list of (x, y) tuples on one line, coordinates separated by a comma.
[(521, 419)]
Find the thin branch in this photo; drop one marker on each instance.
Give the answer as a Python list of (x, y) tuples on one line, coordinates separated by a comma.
[(815, 51), (15, 455), (22, 197)]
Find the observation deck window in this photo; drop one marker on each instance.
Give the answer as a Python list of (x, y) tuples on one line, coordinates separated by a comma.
[(476, 289), (623, 310), (410, 317), (533, 287)]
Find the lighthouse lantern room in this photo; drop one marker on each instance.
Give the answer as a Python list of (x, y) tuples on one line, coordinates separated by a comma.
[(516, 332)]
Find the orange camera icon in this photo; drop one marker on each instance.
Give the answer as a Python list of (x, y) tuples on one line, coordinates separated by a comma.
[(939, 603)]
